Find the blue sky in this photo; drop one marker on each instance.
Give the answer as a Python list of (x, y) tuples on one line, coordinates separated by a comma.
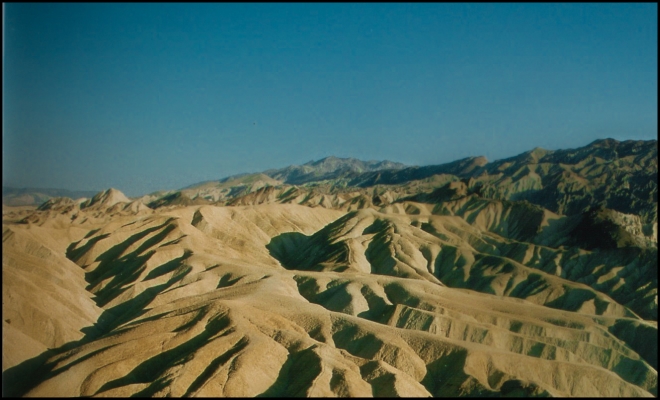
[(143, 97)]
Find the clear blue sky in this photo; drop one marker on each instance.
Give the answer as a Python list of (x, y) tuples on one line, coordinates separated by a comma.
[(143, 97)]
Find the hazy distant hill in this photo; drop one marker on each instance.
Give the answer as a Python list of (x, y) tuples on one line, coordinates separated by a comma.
[(36, 196)]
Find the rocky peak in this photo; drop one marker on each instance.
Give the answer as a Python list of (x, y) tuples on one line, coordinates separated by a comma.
[(106, 198)]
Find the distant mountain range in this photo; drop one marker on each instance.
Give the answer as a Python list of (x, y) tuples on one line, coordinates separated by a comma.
[(329, 168), (326, 168), (606, 173)]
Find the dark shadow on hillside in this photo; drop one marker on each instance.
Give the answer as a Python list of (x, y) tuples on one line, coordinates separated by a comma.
[(103, 271), (573, 299), (74, 254), (287, 248), (297, 373), (128, 268), (640, 337), (377, 252), (534, 284), (19, 379), (28, 374), (214, 365), (149, 370), (167, 267), (449, 269)]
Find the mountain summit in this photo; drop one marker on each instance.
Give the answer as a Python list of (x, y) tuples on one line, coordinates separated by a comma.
[(106, 198)]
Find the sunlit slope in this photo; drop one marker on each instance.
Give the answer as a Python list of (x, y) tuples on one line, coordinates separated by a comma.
[(611, 253), (44, 301), (557, 245), (287, 300), (448, 250)]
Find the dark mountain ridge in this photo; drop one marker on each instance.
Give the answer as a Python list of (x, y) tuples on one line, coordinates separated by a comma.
[(329, 168)]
